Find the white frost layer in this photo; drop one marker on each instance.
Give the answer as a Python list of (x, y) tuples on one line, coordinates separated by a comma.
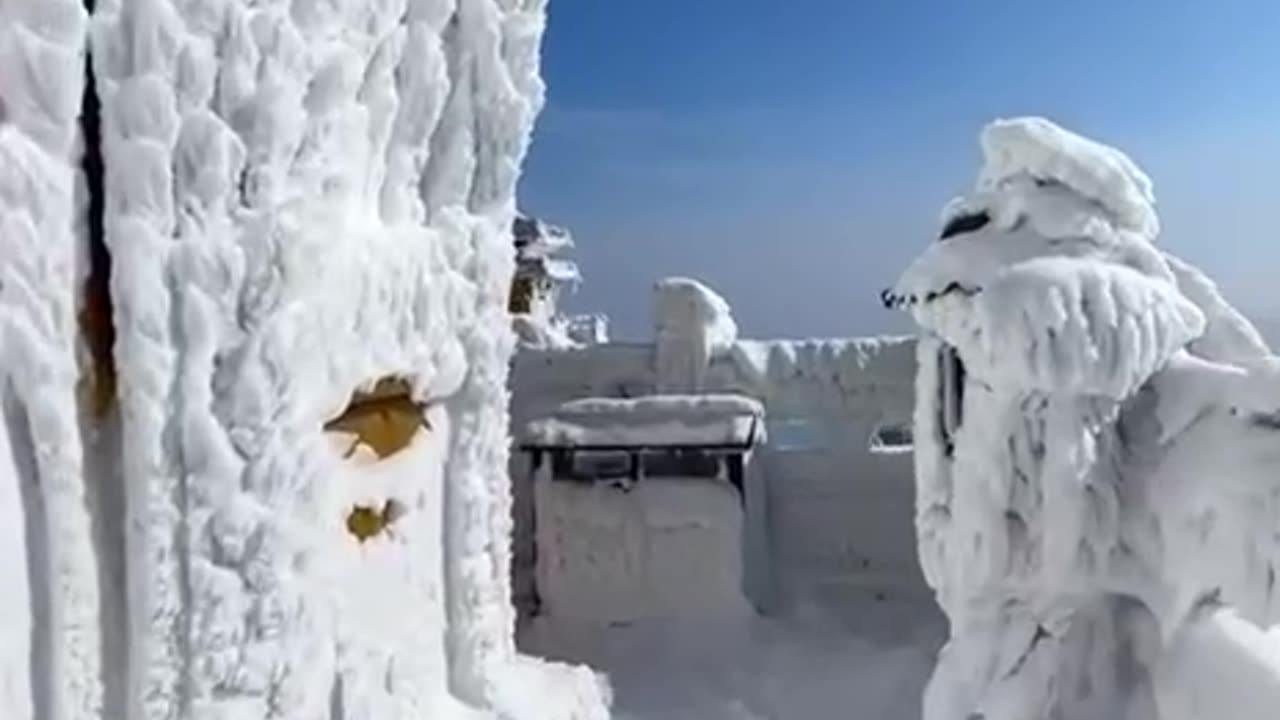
[(535, 237), (302, 198), (1228, 336), (692, 324), (1041, 149), (651, 421), (590, 329), (668, 548), (537, 332), (759, 668), (1066, 324), (387, 589), (47, 501), (19, 599), (837, 517), (1107, 458)]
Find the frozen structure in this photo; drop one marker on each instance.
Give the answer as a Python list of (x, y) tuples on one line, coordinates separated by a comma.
[(1097, 452), (669, 546), (540, 279), (692, 324), (827, 519), (795, 594), (280, 490)]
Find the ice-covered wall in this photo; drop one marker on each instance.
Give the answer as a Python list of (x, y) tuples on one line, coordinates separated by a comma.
[(839, 516), (301, 198), (667, 549), (50, 654)]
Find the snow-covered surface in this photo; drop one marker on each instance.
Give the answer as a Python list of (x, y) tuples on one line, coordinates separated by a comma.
[(301, 198), (50, 656), (388, 589), (870, 662), (1092, 456), (856, 636), (1037, 148), (543, 326), (537, 332), (20, 600), (558, 332), (562, 270), (649, 421), (667, 548), (536, 237), (588, 329)]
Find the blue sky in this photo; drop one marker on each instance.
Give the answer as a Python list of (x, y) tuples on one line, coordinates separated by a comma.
[(795, 154)]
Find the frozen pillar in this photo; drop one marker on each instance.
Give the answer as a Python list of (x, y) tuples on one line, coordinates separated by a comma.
[(691, 325), (308, 206)]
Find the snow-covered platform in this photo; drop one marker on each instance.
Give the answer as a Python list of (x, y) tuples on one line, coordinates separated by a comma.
[(655, 421)]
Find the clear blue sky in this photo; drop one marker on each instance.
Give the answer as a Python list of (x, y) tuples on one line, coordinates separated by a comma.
[(794, 154)]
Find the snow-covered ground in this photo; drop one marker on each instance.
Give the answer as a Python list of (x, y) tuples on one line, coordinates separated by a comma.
[(871, 663)]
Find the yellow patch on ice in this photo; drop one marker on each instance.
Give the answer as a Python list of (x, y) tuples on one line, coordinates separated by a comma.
[(384, 419), (366, 522)]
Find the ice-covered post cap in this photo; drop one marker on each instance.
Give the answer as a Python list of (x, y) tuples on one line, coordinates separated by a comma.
[(1039, 148), (691, 325), (681, 302)]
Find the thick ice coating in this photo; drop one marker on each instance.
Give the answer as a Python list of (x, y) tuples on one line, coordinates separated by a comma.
[(1095, 439), (301, 199)]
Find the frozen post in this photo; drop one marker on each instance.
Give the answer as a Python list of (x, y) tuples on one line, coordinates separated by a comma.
[(692, 324)]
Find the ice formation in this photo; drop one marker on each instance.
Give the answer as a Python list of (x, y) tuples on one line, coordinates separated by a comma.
[(692, 324), (1096, 444), (50, 637), (646, 580), (667, 549), (540, 280), (300, 199), (652, 421)]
